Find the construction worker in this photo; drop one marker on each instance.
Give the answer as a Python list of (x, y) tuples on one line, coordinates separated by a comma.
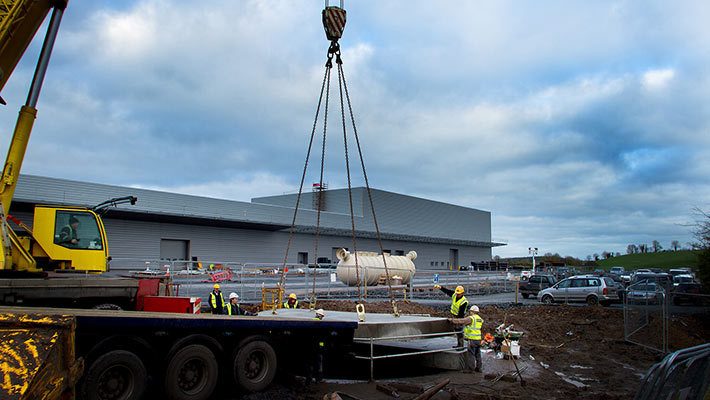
[(216, 300), (292, 301), (232, 307), (459, 304), (315, 356), (68, 236), (472, 333)]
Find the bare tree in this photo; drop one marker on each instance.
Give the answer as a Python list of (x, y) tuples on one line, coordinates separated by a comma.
[(656, 246), (701, 230), (675, 245), (631, 249)]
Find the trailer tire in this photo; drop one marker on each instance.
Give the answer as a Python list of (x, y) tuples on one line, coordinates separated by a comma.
[(191, 373), (254, 365), (118, 375)]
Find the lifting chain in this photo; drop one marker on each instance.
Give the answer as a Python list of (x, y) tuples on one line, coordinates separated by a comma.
[(334, 23)]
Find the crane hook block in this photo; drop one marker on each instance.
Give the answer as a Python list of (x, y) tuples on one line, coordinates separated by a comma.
[(334, 22)]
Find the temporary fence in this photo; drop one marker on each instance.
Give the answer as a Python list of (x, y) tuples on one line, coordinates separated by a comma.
[(247, 279), (646, 316), (651, 310)]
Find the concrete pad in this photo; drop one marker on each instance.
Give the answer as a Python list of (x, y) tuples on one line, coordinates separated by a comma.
[(375, 325)]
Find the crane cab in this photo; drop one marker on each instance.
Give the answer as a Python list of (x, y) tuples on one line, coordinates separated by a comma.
[(67, 238)]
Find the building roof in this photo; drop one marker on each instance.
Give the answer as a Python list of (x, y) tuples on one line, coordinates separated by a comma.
[(399, 217)]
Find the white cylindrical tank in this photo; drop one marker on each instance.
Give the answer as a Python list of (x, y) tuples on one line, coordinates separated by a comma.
[(372, 267)]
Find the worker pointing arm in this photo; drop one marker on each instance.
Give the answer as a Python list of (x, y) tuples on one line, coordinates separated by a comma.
[(459, 303)]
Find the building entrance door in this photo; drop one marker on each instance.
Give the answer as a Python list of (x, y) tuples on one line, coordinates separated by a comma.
[(172, 249)]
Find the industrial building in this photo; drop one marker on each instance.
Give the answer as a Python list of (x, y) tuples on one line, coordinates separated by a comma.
[(171, 226)]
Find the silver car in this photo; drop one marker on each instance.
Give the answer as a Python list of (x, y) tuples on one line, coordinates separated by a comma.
[(585, 288)]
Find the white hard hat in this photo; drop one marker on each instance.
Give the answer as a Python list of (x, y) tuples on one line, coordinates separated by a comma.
[(474, 309), (233, 296), (320, 311)]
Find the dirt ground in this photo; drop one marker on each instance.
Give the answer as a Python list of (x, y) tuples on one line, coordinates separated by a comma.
[(566, 351)]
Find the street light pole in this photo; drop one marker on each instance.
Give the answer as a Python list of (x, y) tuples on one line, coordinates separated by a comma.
[(533, 251)]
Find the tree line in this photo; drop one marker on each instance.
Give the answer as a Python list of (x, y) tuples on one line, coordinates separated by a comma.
[(653, 248)]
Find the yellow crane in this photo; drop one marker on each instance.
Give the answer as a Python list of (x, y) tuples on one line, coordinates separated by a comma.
[(61, 237)]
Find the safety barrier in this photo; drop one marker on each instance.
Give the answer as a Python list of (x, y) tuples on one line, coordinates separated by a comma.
[(684, 374), (218, 277), (372, 357)]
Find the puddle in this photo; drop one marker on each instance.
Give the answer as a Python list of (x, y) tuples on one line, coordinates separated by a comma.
[(571, 381)]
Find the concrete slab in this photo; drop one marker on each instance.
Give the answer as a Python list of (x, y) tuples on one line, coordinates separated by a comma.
[(375, 325)]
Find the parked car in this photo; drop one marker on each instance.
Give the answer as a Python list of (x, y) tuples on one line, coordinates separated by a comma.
[(626, 279), (616, 270), (683, 278), (680, 271), (535, 284), (620, 288), (664, 280), (644, 293), (686, 292), (525, 274), (562, 273), (585, 288), (599, 272)]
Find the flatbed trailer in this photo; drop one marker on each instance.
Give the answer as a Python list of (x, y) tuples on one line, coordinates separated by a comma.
[(185, 356), (70, 291)]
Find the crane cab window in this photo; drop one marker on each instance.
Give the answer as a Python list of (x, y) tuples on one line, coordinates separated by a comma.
[(77, 230)]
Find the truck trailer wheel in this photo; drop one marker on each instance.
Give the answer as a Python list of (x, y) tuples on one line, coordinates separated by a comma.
[(254, 365), (116, 375), (191, 373)]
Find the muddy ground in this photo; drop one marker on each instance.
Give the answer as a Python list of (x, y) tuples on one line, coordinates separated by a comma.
[(566, 352)]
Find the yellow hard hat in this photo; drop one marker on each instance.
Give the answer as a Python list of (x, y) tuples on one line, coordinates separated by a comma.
[(216, 286), (459, 290), (292, 296)]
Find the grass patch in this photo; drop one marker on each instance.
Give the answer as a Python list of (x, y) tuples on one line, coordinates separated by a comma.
[(662, 259)]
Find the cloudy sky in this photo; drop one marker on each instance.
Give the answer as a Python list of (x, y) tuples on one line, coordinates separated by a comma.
[(581, 126)]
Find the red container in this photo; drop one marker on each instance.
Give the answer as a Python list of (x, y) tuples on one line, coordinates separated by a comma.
[(180, 305)]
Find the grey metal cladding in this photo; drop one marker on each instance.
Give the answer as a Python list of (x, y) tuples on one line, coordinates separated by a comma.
[(400, 217), (397, 214)]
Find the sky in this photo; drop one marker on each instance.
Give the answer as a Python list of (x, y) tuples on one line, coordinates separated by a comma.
[(582, 126)]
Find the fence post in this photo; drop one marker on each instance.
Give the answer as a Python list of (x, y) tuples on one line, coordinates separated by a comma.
[(241, 280)]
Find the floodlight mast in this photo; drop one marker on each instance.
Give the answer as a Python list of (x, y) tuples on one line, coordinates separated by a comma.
[(533, 251)]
